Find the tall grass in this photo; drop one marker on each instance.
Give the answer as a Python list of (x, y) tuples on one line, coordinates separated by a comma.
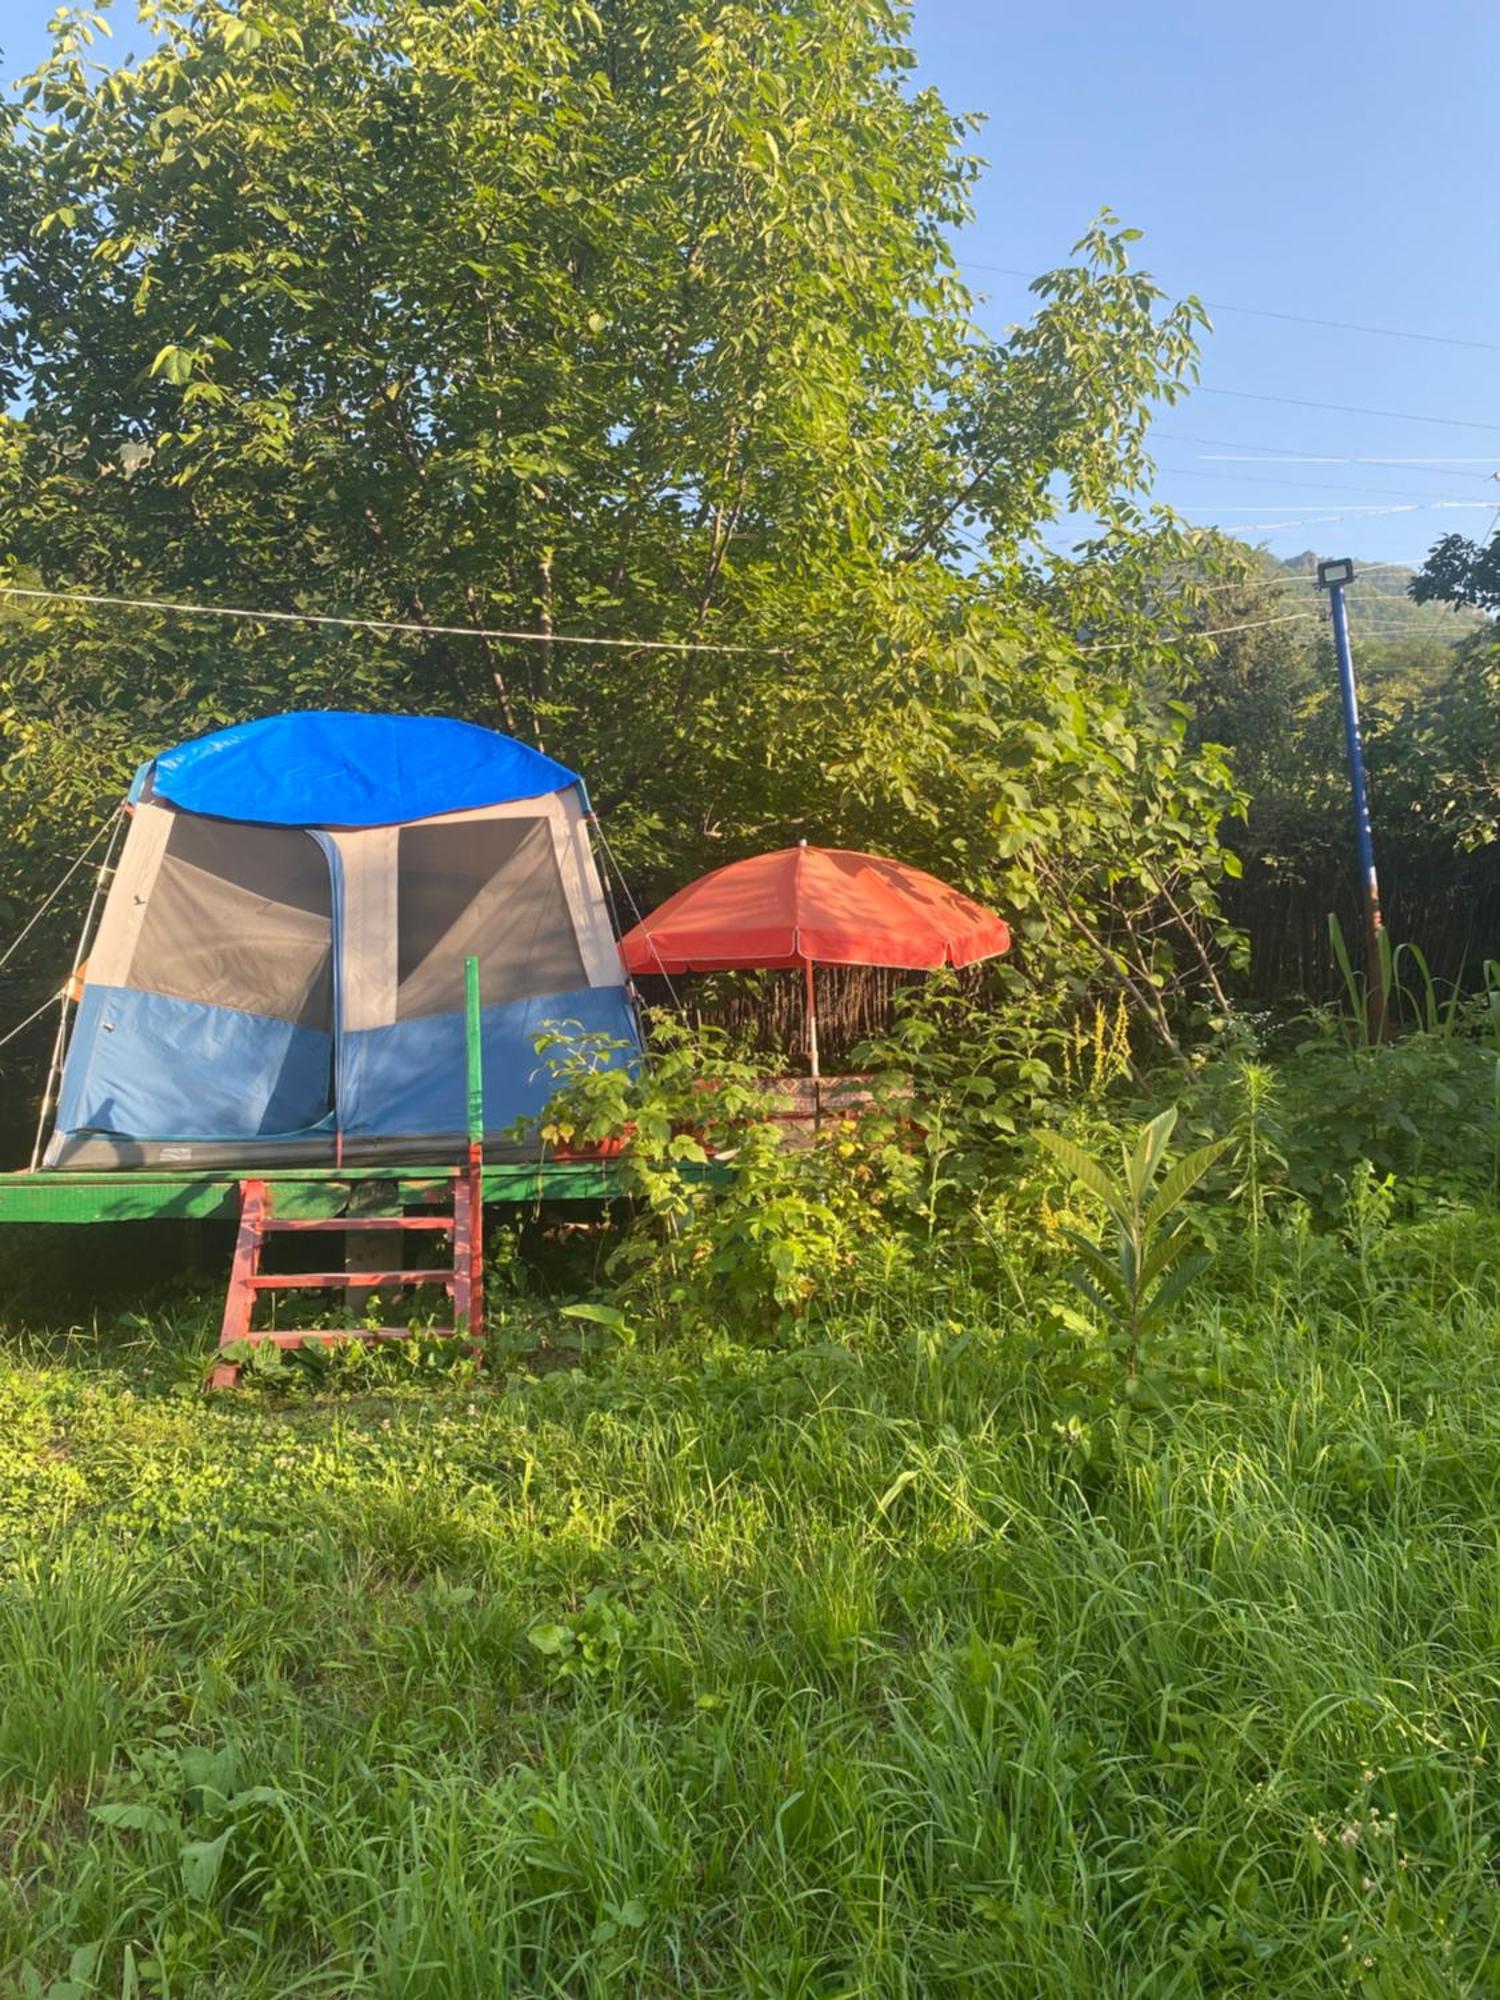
[(835, 1670)]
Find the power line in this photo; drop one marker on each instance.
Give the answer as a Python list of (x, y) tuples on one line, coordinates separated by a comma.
[(1255, 455), (1349, 509), (1248, 625), (1288, 579), (1356, 326), (1435, 465), (1306, 521), (1322, 486), (379, 624), (1350, 409), (1294, 319), (46, 904), (1213, 631)]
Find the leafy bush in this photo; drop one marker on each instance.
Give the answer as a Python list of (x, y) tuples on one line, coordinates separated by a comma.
[(730, 1219), (1422, 1107)]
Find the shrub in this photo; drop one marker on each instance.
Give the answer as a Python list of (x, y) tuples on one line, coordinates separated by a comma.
[(729, 1219)]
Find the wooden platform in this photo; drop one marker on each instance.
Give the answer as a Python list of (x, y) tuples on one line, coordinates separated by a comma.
[(149, 1194)]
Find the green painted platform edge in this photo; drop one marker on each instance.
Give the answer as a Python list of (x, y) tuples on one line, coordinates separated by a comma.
[(142, 1195)]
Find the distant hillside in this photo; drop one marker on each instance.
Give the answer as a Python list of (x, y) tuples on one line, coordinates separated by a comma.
[(1379, 606)]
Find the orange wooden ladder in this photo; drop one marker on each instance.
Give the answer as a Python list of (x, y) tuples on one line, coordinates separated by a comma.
[(462, 1278)]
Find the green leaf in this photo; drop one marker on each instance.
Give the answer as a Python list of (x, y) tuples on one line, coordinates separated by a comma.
[(1142, 1161), (133, 1818), (1164, 1255), (199, 1862), (257, 1795), (1103, 1273), (897, 1486), (1083, 1168), (550, 1639), (174, 364), (1172, 1288), (1082, 1283), (1181, 1180), (610, 1316)]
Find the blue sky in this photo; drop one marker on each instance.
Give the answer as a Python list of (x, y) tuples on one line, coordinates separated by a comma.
[(1326, 160)]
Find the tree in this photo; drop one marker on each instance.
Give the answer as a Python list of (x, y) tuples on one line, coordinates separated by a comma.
[(629, 320), (1458, 571)]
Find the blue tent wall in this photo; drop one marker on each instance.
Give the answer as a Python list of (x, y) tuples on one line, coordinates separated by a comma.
[(408, 1079), (146, 1065)]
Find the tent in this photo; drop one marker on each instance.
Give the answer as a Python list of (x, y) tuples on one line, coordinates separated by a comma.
[(278, 975)]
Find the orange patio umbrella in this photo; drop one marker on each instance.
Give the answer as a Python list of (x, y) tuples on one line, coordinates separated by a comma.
[(806, 906)]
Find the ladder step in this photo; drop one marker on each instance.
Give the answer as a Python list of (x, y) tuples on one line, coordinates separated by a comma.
[(349, 1223), (360, 1281), (329, 1334)]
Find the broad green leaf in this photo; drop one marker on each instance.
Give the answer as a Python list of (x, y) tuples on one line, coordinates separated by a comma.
[(1181, 1179), (1164, 1255), (1142, 1160), (174, 364), (133, 1818), (610, 1316), (1172, 1288), (199, 1862), (1100, 1269), (1081, 1282), (550, 1639), (1082, 1168)]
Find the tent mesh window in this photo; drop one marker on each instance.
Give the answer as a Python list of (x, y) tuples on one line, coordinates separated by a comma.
[(487, 888), (241, 916)]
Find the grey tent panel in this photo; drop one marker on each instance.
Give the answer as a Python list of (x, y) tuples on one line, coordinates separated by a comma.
[(241, 916), (490, 889)]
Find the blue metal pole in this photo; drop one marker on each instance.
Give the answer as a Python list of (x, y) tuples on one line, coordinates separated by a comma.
[(1364, 842)]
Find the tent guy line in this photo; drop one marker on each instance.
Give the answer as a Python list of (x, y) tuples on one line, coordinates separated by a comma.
[(16, 942), (381, 624)]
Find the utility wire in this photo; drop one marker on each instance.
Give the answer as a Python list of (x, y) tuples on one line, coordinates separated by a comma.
[(1212, 632), (1290, 579), (635, 908), (1321, 486), (21, 1026), (380, 624), (1350, 409), (1294, 319), (1255, 455)]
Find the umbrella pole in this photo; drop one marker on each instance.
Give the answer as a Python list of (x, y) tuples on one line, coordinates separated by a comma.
[(812, 1017)]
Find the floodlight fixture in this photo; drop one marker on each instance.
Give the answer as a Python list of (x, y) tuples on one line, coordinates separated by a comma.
[(1334, 574)]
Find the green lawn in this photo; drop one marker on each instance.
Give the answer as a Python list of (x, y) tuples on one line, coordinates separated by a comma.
[(830, 1669)]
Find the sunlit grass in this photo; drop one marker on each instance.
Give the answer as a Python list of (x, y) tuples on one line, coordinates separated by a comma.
[(836, 1669)]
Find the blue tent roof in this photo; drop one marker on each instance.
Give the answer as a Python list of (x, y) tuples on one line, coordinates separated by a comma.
[(323, 767)]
